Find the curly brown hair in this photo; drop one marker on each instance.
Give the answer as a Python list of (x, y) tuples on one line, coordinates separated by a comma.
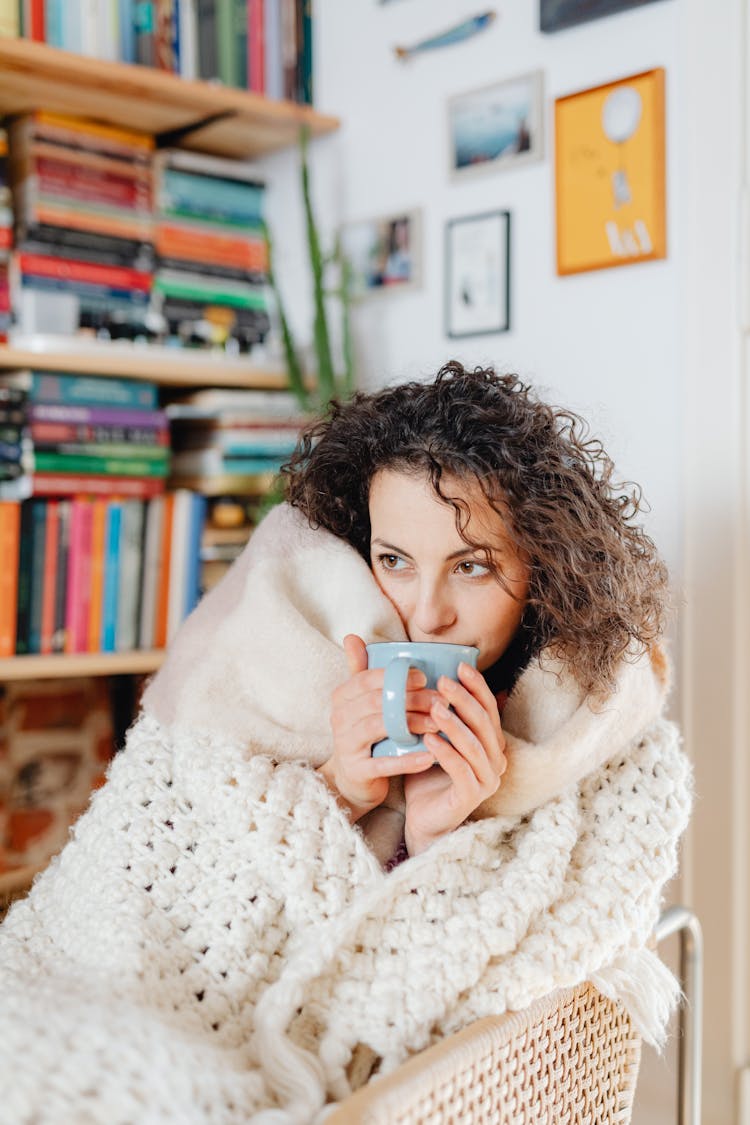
[(598, 588)]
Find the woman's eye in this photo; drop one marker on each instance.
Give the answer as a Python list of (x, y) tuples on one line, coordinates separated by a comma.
[(391, 562), (472, 569)]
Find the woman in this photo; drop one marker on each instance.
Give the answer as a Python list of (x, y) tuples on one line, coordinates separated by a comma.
[(489, 519), (228, 936)]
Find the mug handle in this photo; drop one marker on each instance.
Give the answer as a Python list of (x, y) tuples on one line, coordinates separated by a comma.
[(394, 700)]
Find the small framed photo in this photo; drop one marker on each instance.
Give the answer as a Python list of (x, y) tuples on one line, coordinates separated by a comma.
[(385, 254), (498, 126), (477, 274), (556, 15), (610, 191)]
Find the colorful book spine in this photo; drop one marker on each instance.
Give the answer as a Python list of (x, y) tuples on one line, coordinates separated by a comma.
[(208, 45), (151, 571), (32, 14), (72, 26), (70, 484), (305, 54), (110, 592), (78, 600), (98, 556), (226, 43), (61, 577), (167, 36), (49, 575), (256, 62), (144, 19), (272, 63), (97, 416), (52, 388), (58, 433), (73, 181), (162, 595), (193, 576), (187, 15), (204, 195), (127, 31), (99, 466), (38, 534), (10, 23), (131, 575), (54, 19), (178, 565), (25, 556), (111, 277), (158, 454), (10, 531)]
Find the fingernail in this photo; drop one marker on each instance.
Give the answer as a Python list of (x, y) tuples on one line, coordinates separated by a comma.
[(467, 669), (441, 711)]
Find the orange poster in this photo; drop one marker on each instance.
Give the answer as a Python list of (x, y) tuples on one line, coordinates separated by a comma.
[(609, 163)]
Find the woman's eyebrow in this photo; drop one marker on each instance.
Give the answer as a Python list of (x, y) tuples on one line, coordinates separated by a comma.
[(467, 550), (391, 547)]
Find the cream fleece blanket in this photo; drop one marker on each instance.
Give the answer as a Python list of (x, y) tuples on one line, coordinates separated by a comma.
[(218, 944)]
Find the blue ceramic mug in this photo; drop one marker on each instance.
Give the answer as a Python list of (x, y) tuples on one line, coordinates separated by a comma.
[(435, 659)]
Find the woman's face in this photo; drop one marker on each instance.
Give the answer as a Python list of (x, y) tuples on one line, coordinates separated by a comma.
[(441, 587)]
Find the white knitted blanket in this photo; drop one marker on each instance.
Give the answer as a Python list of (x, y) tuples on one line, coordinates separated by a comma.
[(218, 944)]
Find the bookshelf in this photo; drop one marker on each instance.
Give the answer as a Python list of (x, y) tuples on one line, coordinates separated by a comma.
[(200, 116), (194, 115), (166, 366), (69, 665)]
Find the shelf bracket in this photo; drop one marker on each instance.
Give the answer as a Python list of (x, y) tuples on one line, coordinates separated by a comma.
[(171, 137)]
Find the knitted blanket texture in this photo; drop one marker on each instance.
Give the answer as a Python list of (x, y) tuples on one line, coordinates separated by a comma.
[(217, 943)]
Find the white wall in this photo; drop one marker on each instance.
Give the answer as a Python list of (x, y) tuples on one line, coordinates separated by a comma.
[(602, 342)]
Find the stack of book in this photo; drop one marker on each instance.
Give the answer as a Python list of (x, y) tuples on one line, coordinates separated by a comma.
[(231, 443), (261, 45), (82, 196), (101, 436), (90, 574), (212, 265), (15, 461), (6, 236)]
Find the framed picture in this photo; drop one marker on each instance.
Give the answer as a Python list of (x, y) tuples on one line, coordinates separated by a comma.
[(555, 15), (609, 169), (385, 254), (499, 126), (477, 274)]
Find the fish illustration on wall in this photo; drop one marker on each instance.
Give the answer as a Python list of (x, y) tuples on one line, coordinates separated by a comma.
[(457, 34)]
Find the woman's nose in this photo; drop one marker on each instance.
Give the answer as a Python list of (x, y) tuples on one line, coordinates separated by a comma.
[(433, 612)]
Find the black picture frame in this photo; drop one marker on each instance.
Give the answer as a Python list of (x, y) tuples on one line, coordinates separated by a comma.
[(557, 15), (477, 274)]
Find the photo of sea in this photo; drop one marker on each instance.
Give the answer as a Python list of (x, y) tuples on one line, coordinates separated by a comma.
[(491, 124)]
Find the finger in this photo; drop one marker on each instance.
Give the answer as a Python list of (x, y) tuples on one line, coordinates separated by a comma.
[(369, 679), (475, 683), (464, 779), (395, 765), (479, 713), (467, 744), (356, 653), (362, 695)]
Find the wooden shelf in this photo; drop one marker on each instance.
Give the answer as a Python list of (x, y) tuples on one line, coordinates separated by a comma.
[(209, 117), (160, 365), (63, 666)]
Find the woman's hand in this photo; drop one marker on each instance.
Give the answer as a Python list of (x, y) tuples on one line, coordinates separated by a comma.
[(472, 761), (359, 780)]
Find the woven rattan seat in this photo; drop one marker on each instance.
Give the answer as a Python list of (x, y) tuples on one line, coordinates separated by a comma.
[(572, 1058)]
